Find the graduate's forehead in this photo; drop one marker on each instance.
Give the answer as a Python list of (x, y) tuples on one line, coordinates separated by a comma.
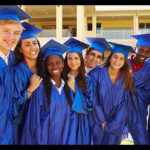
[(95, 52), (144, 48), (73, 54), (3, 22), (118, 55), (54, 57), (11, 25), (29, 40)]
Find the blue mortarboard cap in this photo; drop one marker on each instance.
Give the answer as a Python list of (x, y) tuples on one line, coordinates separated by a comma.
[(120, 48), (12, 12), (143, 39), (75, 46), (99, 44), (53, 47), (29, 31)]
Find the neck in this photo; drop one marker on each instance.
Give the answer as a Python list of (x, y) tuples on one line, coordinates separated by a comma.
[(32, 65), (5, 52), (88, 67), (57, 81), (112, 71), (74, 72)]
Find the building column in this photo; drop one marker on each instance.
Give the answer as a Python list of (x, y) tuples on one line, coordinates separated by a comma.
[(135, 26), (85, 23), (59, 23), (80, 23), (94, 25), (23, 7)]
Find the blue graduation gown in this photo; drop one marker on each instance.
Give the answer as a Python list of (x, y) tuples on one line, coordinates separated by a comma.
[(3, 66), (149, 121), (16, 81), (93, 70), (11, 60), (110, 106), (21, 75), (141, 86), (58, 124), (6, 124)]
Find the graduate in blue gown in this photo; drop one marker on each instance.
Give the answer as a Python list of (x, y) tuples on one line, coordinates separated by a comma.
[(114, 96), (24, 77), (94, 57), (78, 82), (53, 116), (95, 53), (10, 17), (140, 65), (10, 29)]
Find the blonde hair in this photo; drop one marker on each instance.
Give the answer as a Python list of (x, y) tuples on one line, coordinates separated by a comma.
[(4, 22)]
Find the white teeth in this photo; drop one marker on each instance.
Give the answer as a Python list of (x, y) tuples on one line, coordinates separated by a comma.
[(9, 42), (116, 65), (55, 71), (142, 58), (33, 53)]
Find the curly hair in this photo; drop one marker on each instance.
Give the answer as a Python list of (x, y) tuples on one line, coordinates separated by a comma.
[(48, 85), (81, 78), (39, 63), (127, 76)]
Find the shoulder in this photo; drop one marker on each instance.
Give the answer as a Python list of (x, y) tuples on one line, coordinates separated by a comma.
[(89, 78), (19, 66), (148, 61), (97, 67), (146, 65), (12, 58), (96, 70), (11, 52), (103, 69)]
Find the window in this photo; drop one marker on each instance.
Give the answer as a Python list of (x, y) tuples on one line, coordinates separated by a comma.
[(117, 32), (144, 28), (48, 27), (74, 31), (148, 25), (89, 25), (98, 25), (98, 28), (65, 27), (142, 25)]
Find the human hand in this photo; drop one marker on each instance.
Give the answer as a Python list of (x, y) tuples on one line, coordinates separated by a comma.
[(71, 82), (35, 81), (103, 125)]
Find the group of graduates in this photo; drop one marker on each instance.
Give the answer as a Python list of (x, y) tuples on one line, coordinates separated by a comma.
[(53, 95)]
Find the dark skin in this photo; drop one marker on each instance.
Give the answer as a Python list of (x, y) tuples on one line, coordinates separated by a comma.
[(142, 54), (55, 67)]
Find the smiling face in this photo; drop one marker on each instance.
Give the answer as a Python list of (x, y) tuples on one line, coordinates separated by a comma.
[(143, 53), (9, 36), (117, 61), (93, 59), (73, 61), (30, 48), (55, 65)]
